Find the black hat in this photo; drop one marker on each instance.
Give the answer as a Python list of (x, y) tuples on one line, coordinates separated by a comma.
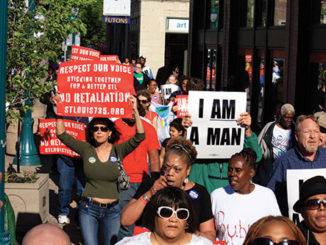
[(313, 186)]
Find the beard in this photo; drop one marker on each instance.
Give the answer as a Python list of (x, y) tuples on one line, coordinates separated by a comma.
[(311, 149)]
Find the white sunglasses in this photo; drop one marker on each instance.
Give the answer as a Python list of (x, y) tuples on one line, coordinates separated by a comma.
[(167, 212)]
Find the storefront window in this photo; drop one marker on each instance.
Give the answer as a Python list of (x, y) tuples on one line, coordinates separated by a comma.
[(249, 66), (277, 85), (263, 13), (248, 70), (261, 90), (320, 90), (280, 12), (250, 13), (274, 92), (323, 12), (211, 69), (214, 14)]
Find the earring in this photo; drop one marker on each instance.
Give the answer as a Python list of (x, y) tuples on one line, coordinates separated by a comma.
[(186, 181)]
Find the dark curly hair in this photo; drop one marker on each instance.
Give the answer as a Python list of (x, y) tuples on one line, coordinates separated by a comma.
[(171, 197), (106, 121), (183, 148), (249, 156)]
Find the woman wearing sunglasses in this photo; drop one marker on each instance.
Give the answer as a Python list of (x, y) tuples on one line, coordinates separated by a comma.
[(237, 206), (180, 154), (170, 218), (312, 206), (99, 207), (274, 230)]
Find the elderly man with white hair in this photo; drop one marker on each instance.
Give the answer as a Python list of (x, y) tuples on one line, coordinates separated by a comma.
[(306, 154), (275, 138)]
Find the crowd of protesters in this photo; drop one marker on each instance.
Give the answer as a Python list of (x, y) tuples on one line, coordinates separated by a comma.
[(174, 198)]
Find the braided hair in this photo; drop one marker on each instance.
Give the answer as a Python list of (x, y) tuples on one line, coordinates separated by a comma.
[(249, 156)]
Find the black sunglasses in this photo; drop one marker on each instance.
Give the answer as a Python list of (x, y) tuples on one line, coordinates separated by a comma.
[(103, 129), (143, 101), (313, 204), (167, 212), (267, 241)]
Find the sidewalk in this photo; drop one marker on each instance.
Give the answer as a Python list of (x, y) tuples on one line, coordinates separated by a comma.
[(71, 229)]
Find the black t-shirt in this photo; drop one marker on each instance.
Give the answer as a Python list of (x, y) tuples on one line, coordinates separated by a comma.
[(199, 196), (143, 86), (165, 142), (310, 237)]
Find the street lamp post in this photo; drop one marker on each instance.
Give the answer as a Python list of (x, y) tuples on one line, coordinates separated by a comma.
[(28, 154), (4, 236)]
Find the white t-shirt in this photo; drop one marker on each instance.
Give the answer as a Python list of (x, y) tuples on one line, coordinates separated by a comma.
[(145, 239), (281, 141), (234, 213)]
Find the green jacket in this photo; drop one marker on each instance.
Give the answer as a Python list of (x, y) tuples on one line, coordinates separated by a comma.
[(202, 173)]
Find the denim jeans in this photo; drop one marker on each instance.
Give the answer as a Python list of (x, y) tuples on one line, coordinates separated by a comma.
[(125, 197), (68, 174), (93, 218)]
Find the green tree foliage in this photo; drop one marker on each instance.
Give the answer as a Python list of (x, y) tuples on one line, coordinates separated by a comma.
[(92, 17), (35, 36)]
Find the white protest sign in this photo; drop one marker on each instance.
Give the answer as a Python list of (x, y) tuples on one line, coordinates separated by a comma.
[(294, 179), (116, 8), (168, 89), (215, 132)]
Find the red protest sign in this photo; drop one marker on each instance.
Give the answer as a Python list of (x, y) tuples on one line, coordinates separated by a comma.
[(95, 89), (50, 144), (82, 53), (182, 102), (109, 58)]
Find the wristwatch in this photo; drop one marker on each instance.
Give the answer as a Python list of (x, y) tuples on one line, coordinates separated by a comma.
[(146, 197)]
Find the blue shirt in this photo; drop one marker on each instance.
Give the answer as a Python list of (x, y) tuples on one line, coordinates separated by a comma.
[(293, 159)]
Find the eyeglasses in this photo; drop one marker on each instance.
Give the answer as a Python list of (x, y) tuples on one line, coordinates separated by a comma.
[(143, 101), (267, 241), (103, 129), (167, 212), (313, 204)]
